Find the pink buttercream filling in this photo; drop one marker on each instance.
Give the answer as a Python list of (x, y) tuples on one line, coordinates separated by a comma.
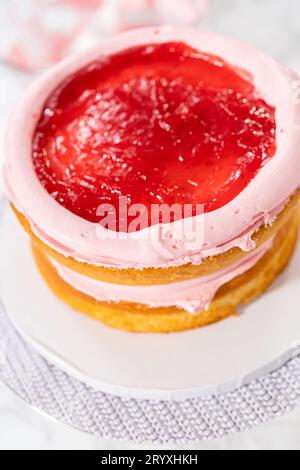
[(230, 226), (193, 296)]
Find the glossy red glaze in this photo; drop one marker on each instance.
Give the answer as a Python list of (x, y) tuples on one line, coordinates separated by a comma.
[(157, 124)]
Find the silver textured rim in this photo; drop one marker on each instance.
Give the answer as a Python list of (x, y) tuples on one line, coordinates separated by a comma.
[(73, 403)]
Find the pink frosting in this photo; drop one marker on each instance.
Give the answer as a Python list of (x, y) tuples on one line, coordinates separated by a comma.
[(193, 296), (230, 226)]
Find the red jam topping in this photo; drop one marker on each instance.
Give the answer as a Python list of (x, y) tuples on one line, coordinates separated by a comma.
[(156, 124)]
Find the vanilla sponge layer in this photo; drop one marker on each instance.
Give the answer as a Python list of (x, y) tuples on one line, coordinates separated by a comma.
[(137, 317), (194, 295), (152, 276)]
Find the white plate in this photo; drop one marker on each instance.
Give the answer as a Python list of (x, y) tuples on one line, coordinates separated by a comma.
[(177, 366)]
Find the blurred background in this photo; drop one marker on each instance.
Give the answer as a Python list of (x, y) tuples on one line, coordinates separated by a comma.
[(34, 34)]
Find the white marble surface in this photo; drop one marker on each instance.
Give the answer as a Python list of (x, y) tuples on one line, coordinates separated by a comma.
[(272, 25)]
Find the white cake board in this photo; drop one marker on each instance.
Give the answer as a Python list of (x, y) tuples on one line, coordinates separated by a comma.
[(211, 360)]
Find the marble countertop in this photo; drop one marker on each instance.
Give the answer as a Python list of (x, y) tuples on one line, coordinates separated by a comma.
[(272, 25)]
